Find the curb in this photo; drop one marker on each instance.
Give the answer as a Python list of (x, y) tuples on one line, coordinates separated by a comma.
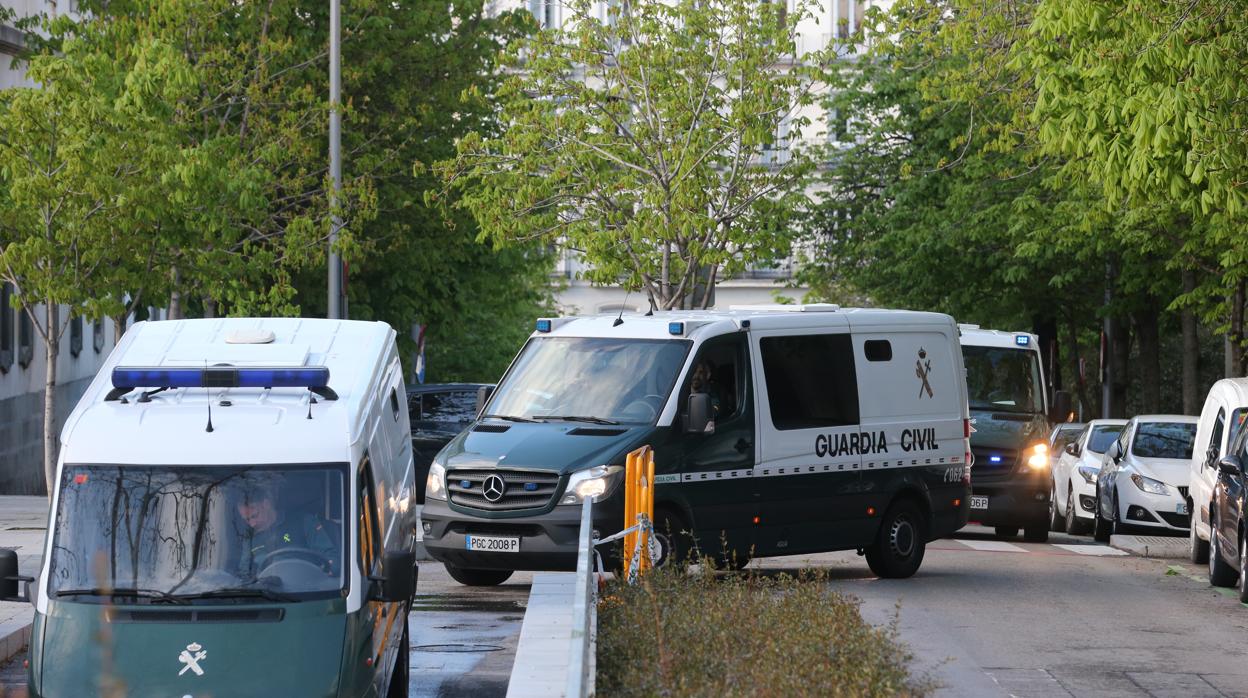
[(14, 637), (1151, 546)]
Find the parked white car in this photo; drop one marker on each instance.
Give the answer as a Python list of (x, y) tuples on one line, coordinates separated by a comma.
[(1074, 474), (1144, 476), (1225, 409)]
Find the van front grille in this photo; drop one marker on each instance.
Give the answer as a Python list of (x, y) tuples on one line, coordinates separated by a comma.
[(521, 489)]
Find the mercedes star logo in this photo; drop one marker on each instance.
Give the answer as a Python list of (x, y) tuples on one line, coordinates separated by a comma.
[(494, 488)]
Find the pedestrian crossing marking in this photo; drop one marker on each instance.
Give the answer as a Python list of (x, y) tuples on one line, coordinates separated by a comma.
[(1090, 549), (993, 546)]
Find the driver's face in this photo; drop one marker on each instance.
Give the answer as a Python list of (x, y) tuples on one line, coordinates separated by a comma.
[(259, 515)]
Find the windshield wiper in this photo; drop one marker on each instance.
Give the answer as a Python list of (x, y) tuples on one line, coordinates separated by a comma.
[(577, 418), (508, 417), (154, 594), (240, 593)]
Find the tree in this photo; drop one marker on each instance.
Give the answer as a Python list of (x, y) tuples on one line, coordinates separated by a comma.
[(663, 143), (80, 165)]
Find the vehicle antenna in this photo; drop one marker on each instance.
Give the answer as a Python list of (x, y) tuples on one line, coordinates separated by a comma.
[(208, 394), (619, 319), (311, 399), (650, 312)]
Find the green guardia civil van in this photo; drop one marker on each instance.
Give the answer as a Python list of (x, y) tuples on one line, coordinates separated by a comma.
[(233, 515), (777, 430)]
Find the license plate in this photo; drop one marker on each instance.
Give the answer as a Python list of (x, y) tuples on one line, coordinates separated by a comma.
[(1181, 508), (493, 544), (979, 501)]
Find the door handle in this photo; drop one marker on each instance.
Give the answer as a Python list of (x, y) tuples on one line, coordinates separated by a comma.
[(742, 445)]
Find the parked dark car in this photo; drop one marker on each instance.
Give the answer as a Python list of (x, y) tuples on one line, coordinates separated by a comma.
[(438, 412), (1228, 546)]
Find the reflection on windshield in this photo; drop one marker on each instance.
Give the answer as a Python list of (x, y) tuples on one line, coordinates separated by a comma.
[(1003, 380), (1164, 440), (1102, 437), (591, 379), (180, 533)]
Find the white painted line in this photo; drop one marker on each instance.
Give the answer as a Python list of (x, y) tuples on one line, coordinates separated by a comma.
[(1103, 550), (992, 546)]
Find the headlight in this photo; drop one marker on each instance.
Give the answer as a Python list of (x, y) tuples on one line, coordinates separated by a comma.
[(1149, 485), (596, 482), (435, 484), (1038, 456), (1088, 473)]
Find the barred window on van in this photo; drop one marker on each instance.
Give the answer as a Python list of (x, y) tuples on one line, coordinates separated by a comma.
[(810, 381)]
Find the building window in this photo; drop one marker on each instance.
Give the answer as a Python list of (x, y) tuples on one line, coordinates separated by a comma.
[(97, 336), (75, 336), (546, 12), (25, 339), (6, 328)]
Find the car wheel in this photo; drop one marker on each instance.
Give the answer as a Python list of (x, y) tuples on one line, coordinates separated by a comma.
[(1220, 573), (1115, 526), (1100, 527), (1039, 534), (1056, 522), (900, 544), (1006, 531), (1074, 526), (477, 578), (399, 678), (1243, 570), (1197, 549)]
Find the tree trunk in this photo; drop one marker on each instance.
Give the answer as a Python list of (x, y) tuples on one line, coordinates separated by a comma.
[(50, 435), (1235, 337), (1050, 348), (1075, 379), (1191, 350), (175, 296), (210, 306), (1146, 329), (1119, 359)]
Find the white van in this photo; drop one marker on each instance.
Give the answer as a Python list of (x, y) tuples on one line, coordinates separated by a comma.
[(1225, 409), (777, 430), (233, 496)]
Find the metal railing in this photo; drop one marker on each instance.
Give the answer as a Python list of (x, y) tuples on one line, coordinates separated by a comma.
[(584, 611)]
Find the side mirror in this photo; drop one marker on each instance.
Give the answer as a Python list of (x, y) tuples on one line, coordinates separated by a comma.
[(483, 396), (1114, 452), (1072, 448), (10, 579), (1060, 409), (698, 420), (399, 582), (1230, 465)]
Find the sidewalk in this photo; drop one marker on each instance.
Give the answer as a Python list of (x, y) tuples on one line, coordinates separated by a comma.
[(23, 525), (1152, 546)]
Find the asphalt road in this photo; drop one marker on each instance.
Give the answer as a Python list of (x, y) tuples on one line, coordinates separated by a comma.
[(1065, 618)]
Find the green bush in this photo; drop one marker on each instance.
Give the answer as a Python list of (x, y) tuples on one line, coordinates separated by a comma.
[(703, 633)]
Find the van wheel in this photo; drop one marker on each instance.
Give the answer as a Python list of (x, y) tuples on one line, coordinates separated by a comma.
[(1242, 584), (1220, 573), (1197, 549), (399, 677), (673, 537), (478, 578), (1006, 531), (1039, 534), (900, 544)]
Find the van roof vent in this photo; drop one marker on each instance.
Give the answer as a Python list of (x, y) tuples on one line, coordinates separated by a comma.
[(251, 336)]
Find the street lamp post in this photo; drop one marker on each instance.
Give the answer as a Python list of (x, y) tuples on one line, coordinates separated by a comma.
[(335, 159)]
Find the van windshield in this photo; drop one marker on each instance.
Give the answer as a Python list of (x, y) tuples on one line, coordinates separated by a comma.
[(622, 381), (1003, 380), (177, 534)]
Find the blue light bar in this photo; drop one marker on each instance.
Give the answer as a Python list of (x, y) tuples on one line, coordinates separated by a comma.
[(1022, 340), (221, 377), (676, 328), (543, 325)]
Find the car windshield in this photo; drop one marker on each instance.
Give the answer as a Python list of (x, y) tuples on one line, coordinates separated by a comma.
[(1003, 380), (1064, 435), (1103, 436), (1164, 440), (442, 413), (590, 379), (178, 533)]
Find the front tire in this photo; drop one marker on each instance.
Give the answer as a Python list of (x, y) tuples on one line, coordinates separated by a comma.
[(399, 679), (478, 578), (1100, 527), (1056, 523), (901, 541), (1220, 573), (1006, 531), (1074, 526), (1197, 549), (1242, 584)]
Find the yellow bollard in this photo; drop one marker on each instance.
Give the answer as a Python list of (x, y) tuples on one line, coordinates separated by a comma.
[(646, 506), (630, 507)]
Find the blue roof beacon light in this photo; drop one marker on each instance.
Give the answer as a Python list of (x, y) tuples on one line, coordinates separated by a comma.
[(676, 328), (1022, 340), (314, 378), (544, 325)]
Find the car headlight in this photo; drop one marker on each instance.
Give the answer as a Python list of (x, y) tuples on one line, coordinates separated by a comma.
[(1038, 456), (1149, 485), (597, 482), (1089, 473), (435, 484)]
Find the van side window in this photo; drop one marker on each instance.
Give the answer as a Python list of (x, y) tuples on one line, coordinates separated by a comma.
[(717, 372), (811, 381), (370, 536), (394, 404), (1215, 439), (878, 350)]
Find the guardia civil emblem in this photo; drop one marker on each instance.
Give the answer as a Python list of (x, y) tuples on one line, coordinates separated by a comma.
[(191, 657), (922, 368)]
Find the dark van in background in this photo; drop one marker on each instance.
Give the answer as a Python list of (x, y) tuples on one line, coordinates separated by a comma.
[(438, 412)]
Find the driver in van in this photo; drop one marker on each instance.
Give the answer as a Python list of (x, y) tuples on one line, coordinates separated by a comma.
[(270, 530)]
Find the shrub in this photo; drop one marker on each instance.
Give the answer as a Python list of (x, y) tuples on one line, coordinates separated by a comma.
[(703, 633)]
